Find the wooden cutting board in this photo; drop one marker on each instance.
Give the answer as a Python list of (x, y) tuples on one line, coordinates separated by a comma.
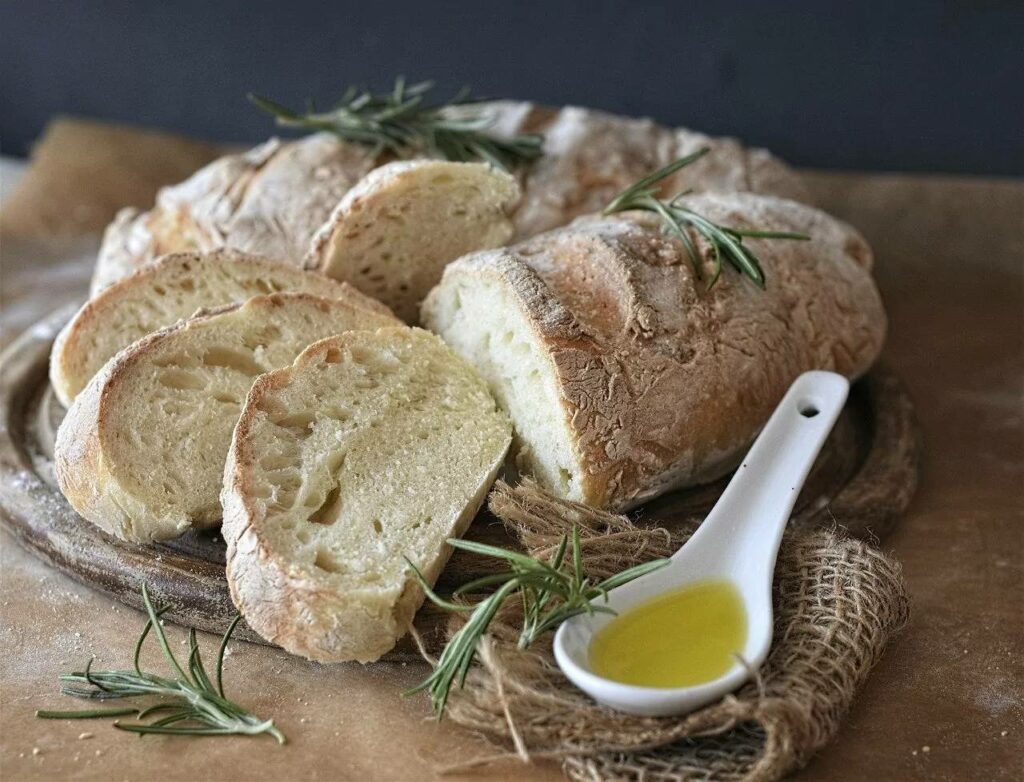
[(862, 481)]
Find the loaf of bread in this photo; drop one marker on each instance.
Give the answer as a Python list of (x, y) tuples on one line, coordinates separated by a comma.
[(275, 198), (623, 375), (590, 156), (141, 451), (370, 448), (166, 291), (394, 232), (268, 201)]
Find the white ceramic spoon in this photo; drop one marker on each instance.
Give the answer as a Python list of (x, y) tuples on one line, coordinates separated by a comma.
[(738, 541)]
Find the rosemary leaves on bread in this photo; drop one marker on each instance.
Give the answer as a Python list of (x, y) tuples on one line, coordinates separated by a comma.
[(724, 242), (191, 705), (551, 592), (403, 122)]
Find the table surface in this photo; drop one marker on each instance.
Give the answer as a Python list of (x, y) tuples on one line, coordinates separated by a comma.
[(946, 702)]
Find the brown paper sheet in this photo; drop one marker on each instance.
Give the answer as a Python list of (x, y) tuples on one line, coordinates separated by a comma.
[(947, 702)]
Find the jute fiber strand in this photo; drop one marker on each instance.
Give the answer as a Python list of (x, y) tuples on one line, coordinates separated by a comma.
[(838, 602)]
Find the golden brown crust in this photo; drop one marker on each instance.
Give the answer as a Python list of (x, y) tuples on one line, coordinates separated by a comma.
[(665, 383)]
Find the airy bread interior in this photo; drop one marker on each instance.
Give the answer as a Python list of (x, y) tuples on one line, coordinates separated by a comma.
[(162, 412), (371, 448), (483, 321), (393, 233), (163, 293)]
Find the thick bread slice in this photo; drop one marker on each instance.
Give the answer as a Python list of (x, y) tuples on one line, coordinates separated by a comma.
[(269, 200), (161, 294), (370, 448), (395, 231), (623, 376), (141, 451)]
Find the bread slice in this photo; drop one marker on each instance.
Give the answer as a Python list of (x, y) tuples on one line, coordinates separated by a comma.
[(141, 451), (623, 375), (163, 293), (370, 448), (393, 233)]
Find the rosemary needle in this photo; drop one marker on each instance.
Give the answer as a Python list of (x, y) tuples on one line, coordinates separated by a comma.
[(724, 242), (191, 705), (402, 121), (551, 592)]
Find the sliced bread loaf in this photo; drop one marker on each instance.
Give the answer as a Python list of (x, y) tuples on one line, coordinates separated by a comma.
[(141, 451), (370, 448), (269, 200), (274, 198), (395, 231), (623, 375), (163, 293)]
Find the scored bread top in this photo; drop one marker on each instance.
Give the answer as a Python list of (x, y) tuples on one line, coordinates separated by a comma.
[(393, 233), (643, 380), (159, 295), (141, 451), (370, 448)]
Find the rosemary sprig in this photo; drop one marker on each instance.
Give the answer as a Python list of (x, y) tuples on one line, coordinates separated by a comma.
[(725, 242), (192, 705), (551, 592), (403, 122)]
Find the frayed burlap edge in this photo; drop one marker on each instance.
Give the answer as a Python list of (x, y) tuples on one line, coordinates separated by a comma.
[(838, 602)]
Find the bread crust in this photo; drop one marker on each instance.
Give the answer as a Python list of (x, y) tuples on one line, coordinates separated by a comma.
[(664, 383), (281, 599)]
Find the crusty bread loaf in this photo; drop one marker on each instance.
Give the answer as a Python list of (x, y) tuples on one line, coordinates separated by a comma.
[(164, 292), (141, 451), (273, 199), (393, 233), (623, 376), (269, 201), (370, 448)]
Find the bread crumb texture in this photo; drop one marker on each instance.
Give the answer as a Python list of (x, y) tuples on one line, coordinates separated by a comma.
[(370, 448)]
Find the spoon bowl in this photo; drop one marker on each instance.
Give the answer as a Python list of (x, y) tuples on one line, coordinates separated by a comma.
[(738, 542)]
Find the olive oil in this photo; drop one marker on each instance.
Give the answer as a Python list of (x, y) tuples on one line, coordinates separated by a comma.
[(685, 637)]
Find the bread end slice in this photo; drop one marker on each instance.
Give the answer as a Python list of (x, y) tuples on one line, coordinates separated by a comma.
[(393, 233), (372, 447)]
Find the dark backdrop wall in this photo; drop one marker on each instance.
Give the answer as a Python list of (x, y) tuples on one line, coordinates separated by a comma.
[(892, 85)]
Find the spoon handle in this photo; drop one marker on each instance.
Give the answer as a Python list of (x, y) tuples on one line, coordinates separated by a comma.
[(746, 524)]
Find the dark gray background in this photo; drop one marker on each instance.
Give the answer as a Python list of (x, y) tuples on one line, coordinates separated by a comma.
[(906, 86)]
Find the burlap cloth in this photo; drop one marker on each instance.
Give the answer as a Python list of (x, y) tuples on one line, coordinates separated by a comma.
[(838, 602)]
